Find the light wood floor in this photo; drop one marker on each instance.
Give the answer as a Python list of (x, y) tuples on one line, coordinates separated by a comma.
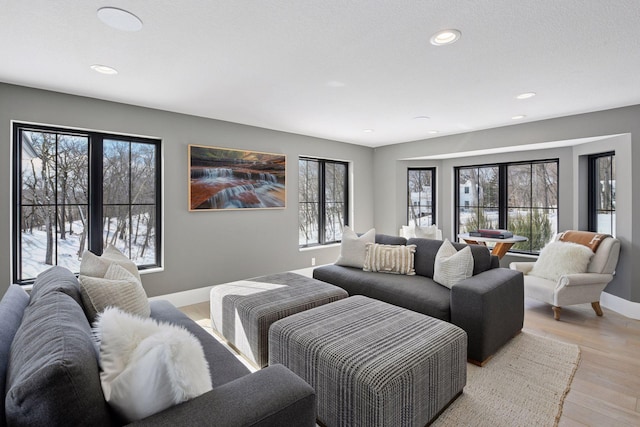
[(606, 387)]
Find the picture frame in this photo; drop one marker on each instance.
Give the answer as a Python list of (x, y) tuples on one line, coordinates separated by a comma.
[(235, 179)]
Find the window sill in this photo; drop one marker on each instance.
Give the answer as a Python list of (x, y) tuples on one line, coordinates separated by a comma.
[(313, 248)]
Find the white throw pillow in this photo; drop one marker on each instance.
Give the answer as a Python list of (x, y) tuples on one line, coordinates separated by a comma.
[(428, 232), (117, 288), (96, 266), (148, 366), (452, 266), (352, 248), (395, 259), (560, 258), (408, 231)]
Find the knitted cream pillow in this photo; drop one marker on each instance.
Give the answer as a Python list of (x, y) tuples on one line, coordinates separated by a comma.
[(395, 259)]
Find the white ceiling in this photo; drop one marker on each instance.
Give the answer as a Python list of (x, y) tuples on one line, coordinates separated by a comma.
[(332, 68)]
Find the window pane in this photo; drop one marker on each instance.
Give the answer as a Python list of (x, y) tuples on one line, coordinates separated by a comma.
[(420, 196), (467, 180), (116, 172), (143, 173), (116, 228), (322, 201), (519, 186), (72, 169), (308, 201), (488, 195), (143, 235), (544, 184), (37, 241)]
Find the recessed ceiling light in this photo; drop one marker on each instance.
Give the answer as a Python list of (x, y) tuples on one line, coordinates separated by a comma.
[(119, 19), (421, 118), (445, 37), (518, 117), (433, 132), (526, 95), (368, 131), (104, 69)]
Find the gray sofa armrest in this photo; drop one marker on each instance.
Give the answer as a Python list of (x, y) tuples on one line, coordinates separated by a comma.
[(273, 396), (490, 308)]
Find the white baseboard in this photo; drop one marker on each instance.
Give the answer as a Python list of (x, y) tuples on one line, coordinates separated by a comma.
[(625, 307), (184, 298)]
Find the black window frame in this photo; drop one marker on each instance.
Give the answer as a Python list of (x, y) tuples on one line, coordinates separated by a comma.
[(503, 193), (593, 193), (432, 171), (95, 205), (322, 239)]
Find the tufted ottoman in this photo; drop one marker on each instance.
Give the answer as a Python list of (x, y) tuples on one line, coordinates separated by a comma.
[(242, 311), (373, 363)]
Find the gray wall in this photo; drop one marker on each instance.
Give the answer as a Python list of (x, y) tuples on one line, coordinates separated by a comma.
[(619, 129), (200, 248)]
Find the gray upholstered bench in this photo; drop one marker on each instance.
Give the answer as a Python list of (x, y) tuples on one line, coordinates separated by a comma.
[(373, 363), (243, 311)]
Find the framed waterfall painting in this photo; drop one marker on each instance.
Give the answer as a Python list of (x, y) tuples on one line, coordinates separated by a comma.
[(226, 178)]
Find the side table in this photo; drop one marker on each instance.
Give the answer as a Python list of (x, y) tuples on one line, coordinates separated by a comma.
[(501, 247)]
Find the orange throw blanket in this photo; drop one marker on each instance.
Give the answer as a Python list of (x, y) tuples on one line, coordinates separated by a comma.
[(587, 238)]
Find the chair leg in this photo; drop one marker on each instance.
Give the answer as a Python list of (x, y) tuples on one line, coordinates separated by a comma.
[(556, 312), (596, 308)]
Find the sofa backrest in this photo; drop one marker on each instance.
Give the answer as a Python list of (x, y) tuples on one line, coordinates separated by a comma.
[(426, 250), (385, 239), (53, 376), (12, 308)]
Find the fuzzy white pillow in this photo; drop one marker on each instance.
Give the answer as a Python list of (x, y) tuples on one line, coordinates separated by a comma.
[(352, 248), (452, 265), (148, 366), (560, 258)]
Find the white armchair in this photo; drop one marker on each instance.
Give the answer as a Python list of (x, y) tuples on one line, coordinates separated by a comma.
[(576, 288)]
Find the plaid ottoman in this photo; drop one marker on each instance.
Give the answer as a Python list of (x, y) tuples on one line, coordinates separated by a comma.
[(372, 363), (243, 311)]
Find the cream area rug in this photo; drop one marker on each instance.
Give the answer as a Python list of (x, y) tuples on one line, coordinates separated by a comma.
[(524, 384)]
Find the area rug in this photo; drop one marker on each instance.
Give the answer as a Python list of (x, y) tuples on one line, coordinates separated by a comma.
[(524, 384)]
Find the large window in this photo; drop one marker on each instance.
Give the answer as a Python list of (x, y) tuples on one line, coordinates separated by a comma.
[(602, 193), (323, 208), (79, 190), (421, 196), (520, 197)]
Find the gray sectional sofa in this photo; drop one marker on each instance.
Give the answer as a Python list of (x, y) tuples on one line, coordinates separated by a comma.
[(49, 373), (489, 306)]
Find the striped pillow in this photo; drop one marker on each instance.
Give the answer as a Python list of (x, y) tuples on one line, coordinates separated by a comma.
[(452, 266), (395, 259)]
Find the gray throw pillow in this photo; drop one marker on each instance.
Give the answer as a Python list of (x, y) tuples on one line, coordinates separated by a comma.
[(12, 307), (53, 377)]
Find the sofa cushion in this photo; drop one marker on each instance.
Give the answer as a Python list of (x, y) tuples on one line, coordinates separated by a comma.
[(56, 279), (385, 239), (415, 293), (224, 366), (352, 248), (53, 377), (426, 250), (118, 288), (394, 259), (148, 366), (12, 307), (96, 266), (452, 266)]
